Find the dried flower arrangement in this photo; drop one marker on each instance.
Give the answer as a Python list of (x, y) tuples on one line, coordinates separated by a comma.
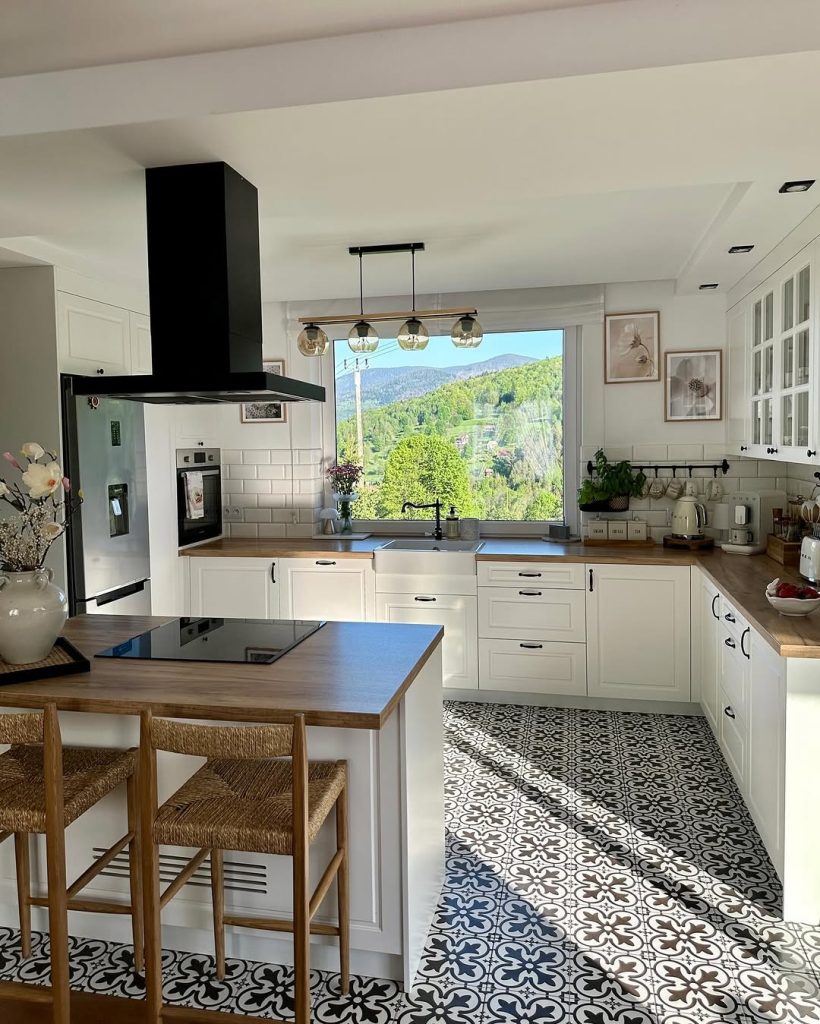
[(42, 507), (344, 477)]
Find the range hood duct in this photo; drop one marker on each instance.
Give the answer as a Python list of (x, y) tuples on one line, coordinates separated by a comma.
[(205, 294)]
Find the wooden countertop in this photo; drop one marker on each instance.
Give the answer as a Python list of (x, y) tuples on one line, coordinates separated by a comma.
[(240, 547), (348, 674)]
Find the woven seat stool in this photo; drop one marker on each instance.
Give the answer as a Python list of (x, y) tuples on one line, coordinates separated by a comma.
[(256, 793), (44, 787)]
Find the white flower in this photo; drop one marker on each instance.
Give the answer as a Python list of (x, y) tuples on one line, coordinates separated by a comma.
[(32, 450), (42, 480), (3, 489), (51, 531)]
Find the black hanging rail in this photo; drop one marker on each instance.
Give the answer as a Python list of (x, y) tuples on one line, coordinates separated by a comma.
[(723, 467)]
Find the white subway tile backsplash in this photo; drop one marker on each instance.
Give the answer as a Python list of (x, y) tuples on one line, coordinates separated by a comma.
[(277, 472), (304, 472), (272, 500), (271, 530), (256, 457), (281, 487), (233, 486), (642, 453), (231, 455), (689, 452), (241, 472), (242, 530), (257, 515), (281, 456), (257, 486), (307, 456), (300, 530), (244, 500)]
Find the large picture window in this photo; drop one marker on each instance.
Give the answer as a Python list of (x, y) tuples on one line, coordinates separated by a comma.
[(481, 429)]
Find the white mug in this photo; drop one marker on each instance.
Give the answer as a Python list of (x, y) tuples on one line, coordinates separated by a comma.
[(674, 489)]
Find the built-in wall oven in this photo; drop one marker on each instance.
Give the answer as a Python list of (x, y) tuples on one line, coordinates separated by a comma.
[(199, 495)]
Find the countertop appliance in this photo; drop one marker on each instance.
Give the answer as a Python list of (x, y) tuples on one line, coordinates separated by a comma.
[(107, 553), (200, 469), (751, 519), (253, 641), (688, 518), (810, 558), (206, 311)]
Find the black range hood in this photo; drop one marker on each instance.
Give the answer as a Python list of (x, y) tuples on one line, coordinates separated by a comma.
[(205, 295)]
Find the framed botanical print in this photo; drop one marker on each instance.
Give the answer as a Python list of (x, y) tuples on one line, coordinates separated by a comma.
[(266, 412), (631, 347), (693, 386)]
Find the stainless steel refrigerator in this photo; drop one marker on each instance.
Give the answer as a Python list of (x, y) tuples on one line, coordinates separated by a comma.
[(108, 561)]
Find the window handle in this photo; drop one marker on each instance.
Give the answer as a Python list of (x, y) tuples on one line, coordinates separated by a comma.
[(324, 561), (424, 599), (530, 593)]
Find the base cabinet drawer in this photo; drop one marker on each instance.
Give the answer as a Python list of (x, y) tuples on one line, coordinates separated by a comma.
[(530, 613), (530, 666), (555, 575), (733, 740)]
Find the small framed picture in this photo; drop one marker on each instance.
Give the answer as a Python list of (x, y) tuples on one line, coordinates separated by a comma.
[(694, 385), (631, 347), (266, 412)]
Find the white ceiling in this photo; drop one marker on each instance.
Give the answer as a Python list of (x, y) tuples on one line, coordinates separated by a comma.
[(51, 35), (629, 175)]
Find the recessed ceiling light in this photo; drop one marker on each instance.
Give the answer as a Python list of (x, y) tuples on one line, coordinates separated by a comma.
[(797, 186), (741, 248), (708, 287)]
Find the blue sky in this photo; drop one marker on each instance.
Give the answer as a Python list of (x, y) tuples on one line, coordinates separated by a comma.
[(442, 352)]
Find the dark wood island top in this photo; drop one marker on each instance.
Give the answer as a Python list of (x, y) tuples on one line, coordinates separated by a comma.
[(348, 675)]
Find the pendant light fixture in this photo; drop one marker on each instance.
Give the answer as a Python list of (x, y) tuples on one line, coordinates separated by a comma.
[(413, 336), (362, 337), (312, 341)]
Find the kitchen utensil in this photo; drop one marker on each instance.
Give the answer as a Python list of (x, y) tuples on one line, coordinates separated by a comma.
[(793, 607), (810, 511), (688, 517)]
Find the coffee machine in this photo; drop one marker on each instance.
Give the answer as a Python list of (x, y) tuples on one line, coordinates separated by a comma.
[(751, 519)]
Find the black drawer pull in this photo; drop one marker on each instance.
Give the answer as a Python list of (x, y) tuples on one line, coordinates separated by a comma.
[(714, 599), (325, 561), (532, 647), (729, 713), (810, 454), (530, 593), (590, 581), (730, 642), (424, 599), (729, 617), (531, 575)]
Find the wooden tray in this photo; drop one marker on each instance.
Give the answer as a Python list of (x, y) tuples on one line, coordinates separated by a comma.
[(689, 543), (603, 542), (64, 660), (787, 552)]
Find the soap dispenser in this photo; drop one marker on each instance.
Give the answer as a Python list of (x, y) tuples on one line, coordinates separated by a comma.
[(452, 524)]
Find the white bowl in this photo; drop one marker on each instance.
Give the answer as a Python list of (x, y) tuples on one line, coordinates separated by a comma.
[(794, 607)]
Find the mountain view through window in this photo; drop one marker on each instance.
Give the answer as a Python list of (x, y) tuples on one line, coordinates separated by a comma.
[(481, 429)]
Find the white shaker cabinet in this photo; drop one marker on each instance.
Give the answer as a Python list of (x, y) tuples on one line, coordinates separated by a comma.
[(637, 629), (92, 337), (705, 652), (335, 589), (767, 746), (140, 331), (456, 613), (239, 588)]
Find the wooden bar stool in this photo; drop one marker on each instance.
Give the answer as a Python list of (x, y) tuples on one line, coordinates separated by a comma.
[(44, 787), (256, 793)]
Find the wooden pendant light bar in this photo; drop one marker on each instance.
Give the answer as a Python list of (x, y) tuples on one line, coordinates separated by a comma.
[(421, 314)]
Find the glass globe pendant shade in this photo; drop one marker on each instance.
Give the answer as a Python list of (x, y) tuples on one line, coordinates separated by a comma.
[(413, 335), (467, 332), (362, 338), (312, 341)]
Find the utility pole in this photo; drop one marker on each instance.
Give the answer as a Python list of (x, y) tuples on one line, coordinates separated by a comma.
[(358, 366)]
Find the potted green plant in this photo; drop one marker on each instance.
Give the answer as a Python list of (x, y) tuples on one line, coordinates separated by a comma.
[(611, 486)]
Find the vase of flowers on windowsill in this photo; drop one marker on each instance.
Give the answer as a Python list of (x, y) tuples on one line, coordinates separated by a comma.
[(32, 609), (343, 479)]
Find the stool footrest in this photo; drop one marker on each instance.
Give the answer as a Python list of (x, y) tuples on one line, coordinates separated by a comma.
[(87, 906), (277, 924)]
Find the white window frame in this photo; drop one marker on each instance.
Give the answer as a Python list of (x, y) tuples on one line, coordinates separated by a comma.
[(489, 527)]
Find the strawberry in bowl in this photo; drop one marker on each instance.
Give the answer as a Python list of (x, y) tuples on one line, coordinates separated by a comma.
[(792, 599)]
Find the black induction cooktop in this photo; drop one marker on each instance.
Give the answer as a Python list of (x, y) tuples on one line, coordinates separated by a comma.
[(257, 641)]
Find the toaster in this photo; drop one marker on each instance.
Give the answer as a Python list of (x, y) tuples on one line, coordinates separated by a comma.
[(810, 559)]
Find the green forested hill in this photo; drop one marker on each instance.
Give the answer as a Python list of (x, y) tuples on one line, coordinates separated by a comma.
[(505, 429)]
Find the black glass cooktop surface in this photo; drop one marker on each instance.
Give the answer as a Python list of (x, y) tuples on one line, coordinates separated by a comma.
[(257, 641)]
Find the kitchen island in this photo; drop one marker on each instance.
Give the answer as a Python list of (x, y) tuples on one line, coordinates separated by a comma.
[(370, 693)]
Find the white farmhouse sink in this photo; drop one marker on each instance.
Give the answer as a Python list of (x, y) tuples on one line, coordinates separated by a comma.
[(427, 557)]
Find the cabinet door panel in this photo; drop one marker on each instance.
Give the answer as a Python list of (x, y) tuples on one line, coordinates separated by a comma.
[(239, 588), (332, 589), (92, 336), (638, 620), (140, 326), (529, 613), (767, 754), (456, 614), (556, 576), (733, 741), (708, 606), (525, 666)]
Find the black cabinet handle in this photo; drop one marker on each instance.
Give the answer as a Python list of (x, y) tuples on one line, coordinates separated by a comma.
[(532, 647), (771, 451), (531, 575), (810, 454), (744, 447), (590, 581), (530, 593), (714, 599), (729, 713), (424, 599), (742, 646), (730, 642), (729, 617), (324, 561), (101, 370), (273, 572)]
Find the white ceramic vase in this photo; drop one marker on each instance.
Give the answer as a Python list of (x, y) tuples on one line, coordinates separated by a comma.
[(32, 612)]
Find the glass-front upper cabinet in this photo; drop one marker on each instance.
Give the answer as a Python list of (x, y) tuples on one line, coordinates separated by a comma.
[(763, 377), (796, 372)]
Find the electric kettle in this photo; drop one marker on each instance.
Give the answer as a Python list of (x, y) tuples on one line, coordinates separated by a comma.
[(688, 518)]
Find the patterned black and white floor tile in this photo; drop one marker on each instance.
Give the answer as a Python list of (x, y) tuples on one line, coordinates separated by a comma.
[(601, 869)]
